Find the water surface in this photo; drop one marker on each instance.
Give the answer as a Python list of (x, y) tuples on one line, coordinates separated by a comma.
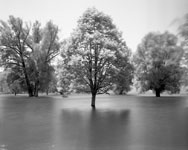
[(117, 123)]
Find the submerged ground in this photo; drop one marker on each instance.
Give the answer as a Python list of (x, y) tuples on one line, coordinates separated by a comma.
[(117, 123)]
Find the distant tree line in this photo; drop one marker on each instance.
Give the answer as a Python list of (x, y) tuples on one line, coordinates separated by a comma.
[(94, 59)]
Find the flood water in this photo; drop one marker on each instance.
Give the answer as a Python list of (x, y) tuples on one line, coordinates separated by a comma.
[(117, 123)]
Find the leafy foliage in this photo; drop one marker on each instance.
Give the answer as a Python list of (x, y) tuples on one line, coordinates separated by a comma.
[(45, 46), (4, 88), (15, 87), (124, 76), (157, 63), (28, 53), (14, 52), (65, 80)]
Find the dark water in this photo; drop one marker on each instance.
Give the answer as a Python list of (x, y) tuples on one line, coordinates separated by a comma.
[(118, 123)]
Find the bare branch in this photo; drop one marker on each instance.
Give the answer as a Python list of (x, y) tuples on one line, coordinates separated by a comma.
[(48, 60)]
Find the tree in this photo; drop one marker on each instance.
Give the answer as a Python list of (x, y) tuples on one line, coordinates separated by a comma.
[(92, 50), (45, 46), (157, 63), (14, 52), (28, 53)]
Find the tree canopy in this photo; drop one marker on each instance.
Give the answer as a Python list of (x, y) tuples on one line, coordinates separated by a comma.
[(157, 62), (92, 52), (28, 50)]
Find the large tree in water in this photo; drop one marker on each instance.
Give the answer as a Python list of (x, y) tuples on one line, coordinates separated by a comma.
[(92, 52), (157, 62)]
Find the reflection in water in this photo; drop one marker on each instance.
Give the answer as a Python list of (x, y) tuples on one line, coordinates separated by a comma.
[(91, 129), (122, 123), (106, 128)]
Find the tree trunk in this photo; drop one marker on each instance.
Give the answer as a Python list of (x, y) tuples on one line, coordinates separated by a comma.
[(29, 87), (30, 91), (157, 92), (36, 92), (47, 91), (93, 99), (121, 92), (36, 89)]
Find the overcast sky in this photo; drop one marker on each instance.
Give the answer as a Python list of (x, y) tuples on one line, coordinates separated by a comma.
[(135, 18)]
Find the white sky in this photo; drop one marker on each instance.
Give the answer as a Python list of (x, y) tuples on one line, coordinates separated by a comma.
[(135, 18)]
